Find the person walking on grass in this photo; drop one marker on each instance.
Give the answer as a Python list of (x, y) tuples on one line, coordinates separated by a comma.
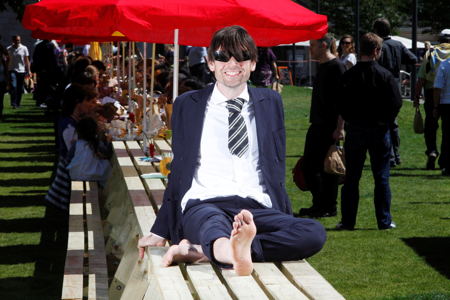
[(19, 67), (371, 103)]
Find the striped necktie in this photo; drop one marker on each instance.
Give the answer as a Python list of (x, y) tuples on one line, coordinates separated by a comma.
[(237, 130)]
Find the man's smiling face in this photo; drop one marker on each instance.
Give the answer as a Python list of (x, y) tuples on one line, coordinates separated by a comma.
[(232, 74)]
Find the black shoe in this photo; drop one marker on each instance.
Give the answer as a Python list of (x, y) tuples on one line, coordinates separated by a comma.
[(392, 164), (445, 172), (431, 161), (391, 226), (306, 212), (324, 214), (340, 226)]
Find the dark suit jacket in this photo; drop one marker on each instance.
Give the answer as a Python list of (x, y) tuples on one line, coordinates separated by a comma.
[(187, 125)]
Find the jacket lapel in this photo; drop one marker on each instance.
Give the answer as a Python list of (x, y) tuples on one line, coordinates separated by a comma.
[(261, 114)]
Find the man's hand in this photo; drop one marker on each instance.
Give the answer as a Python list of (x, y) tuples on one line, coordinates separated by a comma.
[(150, 240), (338, 134)]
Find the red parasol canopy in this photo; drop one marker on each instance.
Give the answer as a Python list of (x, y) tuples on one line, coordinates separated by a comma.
[(269, 22)]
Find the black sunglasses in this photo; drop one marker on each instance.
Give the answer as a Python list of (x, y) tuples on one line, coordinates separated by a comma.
[(225, 56)]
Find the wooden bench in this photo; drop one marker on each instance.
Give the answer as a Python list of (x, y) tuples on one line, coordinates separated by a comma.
[(85, 270), (132, 204)]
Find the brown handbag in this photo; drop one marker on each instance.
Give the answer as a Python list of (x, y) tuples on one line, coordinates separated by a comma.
[(334, 162)]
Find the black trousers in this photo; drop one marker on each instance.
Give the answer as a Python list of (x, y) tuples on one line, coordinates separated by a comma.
[(279, 236), (431, 123), (323, 186)]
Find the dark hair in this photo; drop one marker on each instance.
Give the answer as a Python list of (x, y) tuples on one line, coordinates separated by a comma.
[(108, 111), (99, 65), (444, 38), (382, 27), (330, 41), (74, 95), (352, 48), (369, 42), (87, 76), (233, 39), (87, 129)]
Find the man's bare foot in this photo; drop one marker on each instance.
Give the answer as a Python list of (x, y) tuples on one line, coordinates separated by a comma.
[(242, 235), (184, 252)]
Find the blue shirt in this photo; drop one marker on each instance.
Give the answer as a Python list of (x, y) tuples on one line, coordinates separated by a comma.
[(442, 81)]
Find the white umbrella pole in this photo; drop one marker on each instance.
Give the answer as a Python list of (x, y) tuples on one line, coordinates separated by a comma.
[(133, 59), (144, 96), (152, 79), (176, 65), (118, 63), (123, 61), (129, 76)]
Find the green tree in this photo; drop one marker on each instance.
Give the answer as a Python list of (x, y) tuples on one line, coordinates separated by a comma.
[(17, 6)]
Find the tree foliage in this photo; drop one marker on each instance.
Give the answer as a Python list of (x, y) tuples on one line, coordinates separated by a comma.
[(17, 6), (341, 14)]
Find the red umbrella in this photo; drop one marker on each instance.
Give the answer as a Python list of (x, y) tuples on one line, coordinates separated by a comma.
[(269, 22)]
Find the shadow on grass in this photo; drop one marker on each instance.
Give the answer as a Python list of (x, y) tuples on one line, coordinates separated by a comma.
[(49, 141), (37, 148), (49, 258), (431, 202), (42, 158), (28, 134), (395, 174), (26, 182), (21, 225), (21, 200), (26, 169), (435, 251)]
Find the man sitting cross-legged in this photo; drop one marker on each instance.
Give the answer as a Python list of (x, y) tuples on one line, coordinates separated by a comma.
[(226, 200)]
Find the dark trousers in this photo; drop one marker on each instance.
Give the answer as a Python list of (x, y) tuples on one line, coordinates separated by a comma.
[(323, 186), (444, 159), (377, 142), (431, 123), (279, 236), (16, 89), (2, 94), (395, 142)]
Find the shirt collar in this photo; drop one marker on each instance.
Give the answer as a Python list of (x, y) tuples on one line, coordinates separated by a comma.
[(217, 97)]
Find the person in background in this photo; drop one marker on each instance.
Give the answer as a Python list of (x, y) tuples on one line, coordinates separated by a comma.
[(426, 76), (442, 107), (371, 103), (197, 63), (346, 51), (19, 67), (4, 78), (266, 68), (325, 130), (393, 55)]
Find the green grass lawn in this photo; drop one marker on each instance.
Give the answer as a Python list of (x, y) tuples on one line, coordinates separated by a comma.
[(31, 258), (410, 262)]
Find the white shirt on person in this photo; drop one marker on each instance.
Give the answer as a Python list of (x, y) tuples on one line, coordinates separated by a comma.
[(219, 173), (17, 58)]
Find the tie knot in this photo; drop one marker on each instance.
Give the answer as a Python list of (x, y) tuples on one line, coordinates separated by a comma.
[(235, 105)]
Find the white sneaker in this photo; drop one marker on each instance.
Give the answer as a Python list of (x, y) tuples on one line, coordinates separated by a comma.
[(43, 105)]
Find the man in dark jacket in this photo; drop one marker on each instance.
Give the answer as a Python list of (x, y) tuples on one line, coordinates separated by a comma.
[(393, 55), (226, 188), (371, 103)]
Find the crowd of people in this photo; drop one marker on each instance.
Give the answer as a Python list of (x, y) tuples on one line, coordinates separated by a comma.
[(230, 206)]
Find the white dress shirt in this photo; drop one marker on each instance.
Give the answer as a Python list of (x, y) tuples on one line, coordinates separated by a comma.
[(219, 173)]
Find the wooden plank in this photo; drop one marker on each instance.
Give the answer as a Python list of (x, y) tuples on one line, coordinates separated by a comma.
[(73, 268), (97, 269), (124, 270), (162, 145), (137, 284), (310, 281), (165, 283), (275, 283), (243, 287), (206, 283)]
